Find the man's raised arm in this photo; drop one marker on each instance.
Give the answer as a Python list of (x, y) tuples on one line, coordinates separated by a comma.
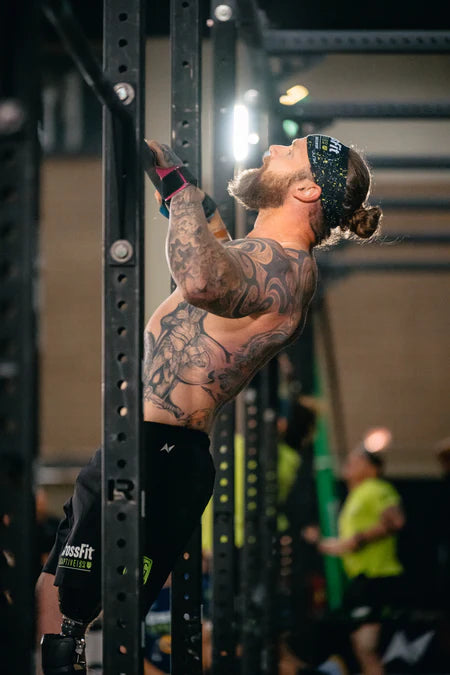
[(168, 158), (244, 277)]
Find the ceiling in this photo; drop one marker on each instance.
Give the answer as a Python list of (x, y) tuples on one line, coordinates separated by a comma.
[(323, 14)]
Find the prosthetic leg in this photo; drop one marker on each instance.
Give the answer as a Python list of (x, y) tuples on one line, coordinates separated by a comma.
[(179, 486)]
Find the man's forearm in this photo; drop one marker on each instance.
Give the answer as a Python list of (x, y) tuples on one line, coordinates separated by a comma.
[(150, 669), (382, 529), (198, 262), (218, 227)]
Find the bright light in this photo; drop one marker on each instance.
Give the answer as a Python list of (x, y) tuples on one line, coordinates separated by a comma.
[(240, 132), (251, 96), (253, 139), (294, 95), (377, 439)]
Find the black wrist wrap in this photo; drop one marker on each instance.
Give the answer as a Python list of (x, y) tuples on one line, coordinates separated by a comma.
[(175, 180)]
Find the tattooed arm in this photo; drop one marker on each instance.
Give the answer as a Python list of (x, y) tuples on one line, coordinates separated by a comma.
[(245, 277), (167, 158), (218, 227)]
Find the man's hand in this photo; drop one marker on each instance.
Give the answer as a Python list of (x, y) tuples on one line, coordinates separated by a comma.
[(165, 156), (311, 534), (337, 547)]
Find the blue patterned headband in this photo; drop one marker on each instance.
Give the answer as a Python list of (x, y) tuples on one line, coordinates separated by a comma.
[(329, 165)]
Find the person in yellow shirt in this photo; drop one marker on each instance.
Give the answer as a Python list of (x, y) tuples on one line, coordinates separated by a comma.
[(368, 523)]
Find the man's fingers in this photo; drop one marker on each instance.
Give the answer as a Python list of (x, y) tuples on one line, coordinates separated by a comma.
[(170, 157), (157, 149), (165, 156)]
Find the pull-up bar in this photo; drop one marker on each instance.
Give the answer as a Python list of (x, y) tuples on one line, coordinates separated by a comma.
[(114, 97)]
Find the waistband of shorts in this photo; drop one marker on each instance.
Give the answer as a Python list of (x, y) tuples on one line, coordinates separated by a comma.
[(165, 432)]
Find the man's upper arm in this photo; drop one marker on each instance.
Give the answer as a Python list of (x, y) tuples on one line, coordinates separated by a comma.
[(390, 507), (265, 280)]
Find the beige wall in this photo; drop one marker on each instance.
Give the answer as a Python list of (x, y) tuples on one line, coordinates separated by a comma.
[(71, 308), (391, 330)]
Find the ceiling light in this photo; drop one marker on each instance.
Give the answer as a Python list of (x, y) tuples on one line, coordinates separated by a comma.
[(294, 95)]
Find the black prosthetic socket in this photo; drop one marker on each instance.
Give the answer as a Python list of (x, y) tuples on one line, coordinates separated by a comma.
[(63, 655), (81, 605)]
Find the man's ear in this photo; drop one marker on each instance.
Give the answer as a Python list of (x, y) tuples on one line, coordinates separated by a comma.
[(307, 191)]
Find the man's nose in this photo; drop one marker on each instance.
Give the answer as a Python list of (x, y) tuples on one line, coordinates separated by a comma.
[(278, 150)]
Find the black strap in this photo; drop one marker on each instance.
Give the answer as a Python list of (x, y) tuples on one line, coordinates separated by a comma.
[(174, 180)]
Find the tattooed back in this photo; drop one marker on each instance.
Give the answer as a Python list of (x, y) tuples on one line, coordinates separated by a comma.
[(199, 356)]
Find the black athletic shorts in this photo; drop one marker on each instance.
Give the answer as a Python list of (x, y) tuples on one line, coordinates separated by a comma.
[(179, 484), (369, 599)]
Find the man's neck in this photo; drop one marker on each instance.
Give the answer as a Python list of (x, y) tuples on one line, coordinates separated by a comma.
[(284, 228), (352, 484)]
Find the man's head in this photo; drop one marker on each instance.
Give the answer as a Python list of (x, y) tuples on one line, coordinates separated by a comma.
[(327, 181), (362, 464), (443, 454)]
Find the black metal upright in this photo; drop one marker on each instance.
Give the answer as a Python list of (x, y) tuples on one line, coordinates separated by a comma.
[(123, 504), (269, 513), (223, 36), (186, 141), (19, 167), (252, 591), (224, 590)]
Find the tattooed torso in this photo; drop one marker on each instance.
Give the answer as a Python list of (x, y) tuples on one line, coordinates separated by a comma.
[(197, 359)]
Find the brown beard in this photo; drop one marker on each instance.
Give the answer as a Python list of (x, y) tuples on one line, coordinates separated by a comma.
[(259, 189)]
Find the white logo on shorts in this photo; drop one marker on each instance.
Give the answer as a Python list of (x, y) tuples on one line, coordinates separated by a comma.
[(82, 552), (77, 557), (167, 448)]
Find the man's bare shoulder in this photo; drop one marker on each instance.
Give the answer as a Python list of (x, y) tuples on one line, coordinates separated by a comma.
[(298, 264)]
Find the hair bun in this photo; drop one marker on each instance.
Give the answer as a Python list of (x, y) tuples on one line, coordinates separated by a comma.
[(364, 221)]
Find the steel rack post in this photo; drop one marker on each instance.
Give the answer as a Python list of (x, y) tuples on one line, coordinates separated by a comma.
[(269, 511), (19, 205), (252, 595), (223, 36), (185, 32), (123, 503), (223, 577)]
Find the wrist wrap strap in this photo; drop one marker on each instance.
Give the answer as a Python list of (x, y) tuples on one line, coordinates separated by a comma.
[(173, 180), (209, 207)]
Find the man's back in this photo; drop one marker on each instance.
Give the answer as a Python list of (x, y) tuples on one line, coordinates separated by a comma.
[(196, 360)]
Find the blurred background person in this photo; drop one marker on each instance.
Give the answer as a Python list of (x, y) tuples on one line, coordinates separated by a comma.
[(443, 537), (369, 521), (443, 545), (46, 527)]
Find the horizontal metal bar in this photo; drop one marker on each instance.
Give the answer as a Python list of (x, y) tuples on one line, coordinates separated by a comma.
[(391, 239), (432, 238), (364, 110), (406, 162), (331, 266), (367, 41), (416, 203)]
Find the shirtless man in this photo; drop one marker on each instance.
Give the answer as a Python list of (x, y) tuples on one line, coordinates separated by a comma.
[(237, 303)]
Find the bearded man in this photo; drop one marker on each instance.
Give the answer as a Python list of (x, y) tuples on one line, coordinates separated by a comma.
[(237, 303)]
